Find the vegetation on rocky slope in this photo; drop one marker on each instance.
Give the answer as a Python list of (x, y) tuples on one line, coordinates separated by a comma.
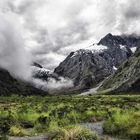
[(126, 79), (123, 124)]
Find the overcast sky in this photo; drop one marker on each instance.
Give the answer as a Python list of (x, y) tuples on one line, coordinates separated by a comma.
[(53, 28)]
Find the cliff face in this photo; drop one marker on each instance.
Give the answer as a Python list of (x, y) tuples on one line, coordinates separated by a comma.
[(84, 68), (87, 68)]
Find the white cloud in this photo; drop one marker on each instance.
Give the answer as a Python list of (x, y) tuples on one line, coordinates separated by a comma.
[(54, 28), (13, 55), (50, 60), (63, 83)]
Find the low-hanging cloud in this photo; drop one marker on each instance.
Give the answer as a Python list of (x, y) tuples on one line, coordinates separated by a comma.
[(62, 83), (17, 60), (13, 55), (51, 83)]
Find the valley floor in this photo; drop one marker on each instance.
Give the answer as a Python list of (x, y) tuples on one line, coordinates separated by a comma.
[(71, 117)]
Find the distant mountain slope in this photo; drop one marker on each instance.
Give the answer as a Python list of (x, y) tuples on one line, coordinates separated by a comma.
[(87, 68), (10, 85), (126, 78)]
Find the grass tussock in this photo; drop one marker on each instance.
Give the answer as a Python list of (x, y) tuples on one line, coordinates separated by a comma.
[(123, 124), (26, 116), (74, 133)]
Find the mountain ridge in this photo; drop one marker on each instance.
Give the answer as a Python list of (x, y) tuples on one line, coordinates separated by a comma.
[(114, 40), (87, 68)]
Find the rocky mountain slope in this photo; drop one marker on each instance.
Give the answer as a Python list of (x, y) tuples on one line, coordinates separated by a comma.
[(11, 86), (87, 68), (124, 40), (126, 78)]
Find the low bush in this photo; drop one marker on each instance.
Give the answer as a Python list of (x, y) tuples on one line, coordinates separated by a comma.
[(18, 131), (72, 133), (54, 113), (123, 124)]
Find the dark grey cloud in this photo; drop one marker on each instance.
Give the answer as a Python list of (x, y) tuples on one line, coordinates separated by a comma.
[(54, 28), (132, 14), (129, 17), (132, 10)]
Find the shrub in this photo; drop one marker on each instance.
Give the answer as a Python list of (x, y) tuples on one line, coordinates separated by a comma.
[(39, 128), (18, 131), (53, 125), (74, 117), (56, 134), (72, 133), (3, 137), (27, 120), (121, 124), (88, 115), (4, 125), (85, 134), (63, 122), (134, 132)]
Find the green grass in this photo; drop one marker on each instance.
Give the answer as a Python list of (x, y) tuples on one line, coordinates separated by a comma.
[(72, 133), (21, 116), (124, 124), (18, 131)]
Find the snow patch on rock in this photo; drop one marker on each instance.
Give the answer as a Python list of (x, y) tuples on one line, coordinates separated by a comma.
[(133, 49)]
